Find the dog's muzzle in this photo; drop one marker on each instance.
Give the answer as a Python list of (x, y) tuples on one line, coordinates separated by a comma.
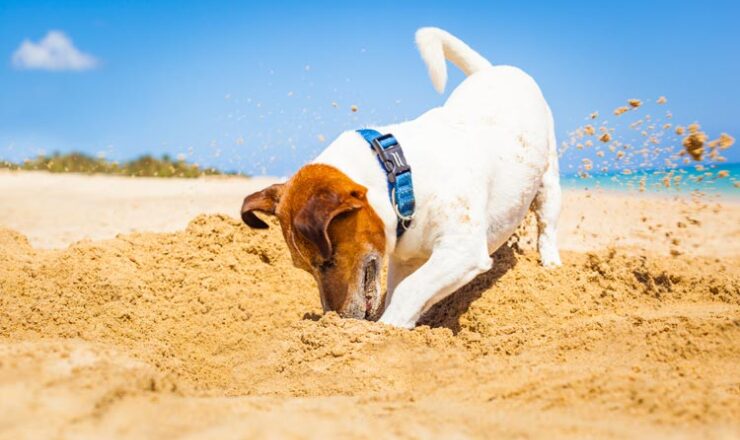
[(371, 288)]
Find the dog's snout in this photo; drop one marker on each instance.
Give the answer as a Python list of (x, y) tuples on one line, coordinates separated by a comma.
[(355, 294)]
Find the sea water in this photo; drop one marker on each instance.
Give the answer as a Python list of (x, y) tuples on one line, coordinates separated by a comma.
[(683, 180)]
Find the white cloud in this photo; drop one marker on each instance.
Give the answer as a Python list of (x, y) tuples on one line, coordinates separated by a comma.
[(54, 52)]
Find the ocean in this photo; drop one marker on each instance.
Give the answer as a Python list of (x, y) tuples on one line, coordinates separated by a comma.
[(683, 180)]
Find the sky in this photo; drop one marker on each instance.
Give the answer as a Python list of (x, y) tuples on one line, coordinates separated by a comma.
[(262, 87)]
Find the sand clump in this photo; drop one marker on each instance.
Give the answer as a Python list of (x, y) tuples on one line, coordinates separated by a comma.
[(694, 142), (724, 142), (621, 110), (211, 332)]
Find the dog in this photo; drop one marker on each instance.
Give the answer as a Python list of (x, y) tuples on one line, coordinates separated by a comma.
[(479, 163)]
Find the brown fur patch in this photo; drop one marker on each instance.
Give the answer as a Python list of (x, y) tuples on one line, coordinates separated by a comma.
[(330, 229)]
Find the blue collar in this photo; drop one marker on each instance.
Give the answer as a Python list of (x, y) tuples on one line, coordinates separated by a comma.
[(400, 187)]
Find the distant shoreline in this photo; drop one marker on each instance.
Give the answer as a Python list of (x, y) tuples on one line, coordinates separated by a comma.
[(215, 177), (142, 166), (685, 181)]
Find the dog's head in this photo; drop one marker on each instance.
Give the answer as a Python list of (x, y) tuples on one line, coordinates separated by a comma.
[(332, 232)]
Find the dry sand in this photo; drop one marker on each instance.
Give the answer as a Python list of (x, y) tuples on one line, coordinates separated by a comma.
[(210, 333), (56, 210)]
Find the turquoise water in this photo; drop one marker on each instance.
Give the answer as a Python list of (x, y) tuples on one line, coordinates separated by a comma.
[(691, 179)]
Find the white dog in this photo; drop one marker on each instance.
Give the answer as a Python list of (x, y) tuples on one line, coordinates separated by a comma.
[(478, 163)]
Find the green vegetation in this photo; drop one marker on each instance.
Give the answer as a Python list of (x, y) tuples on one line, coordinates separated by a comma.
[(144, 166)]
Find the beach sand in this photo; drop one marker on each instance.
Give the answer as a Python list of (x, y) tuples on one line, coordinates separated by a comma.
[(56, 210), (198, 327)]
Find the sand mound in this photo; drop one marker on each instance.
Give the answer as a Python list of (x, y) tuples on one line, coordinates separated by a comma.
[(211, 332)]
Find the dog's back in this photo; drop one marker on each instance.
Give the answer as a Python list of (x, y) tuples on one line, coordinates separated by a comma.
[(492, 95)]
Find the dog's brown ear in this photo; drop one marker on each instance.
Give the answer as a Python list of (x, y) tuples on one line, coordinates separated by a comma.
[(314, 218), (264, 201)]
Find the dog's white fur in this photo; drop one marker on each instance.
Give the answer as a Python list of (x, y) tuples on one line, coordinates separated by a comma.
[(479, 162)]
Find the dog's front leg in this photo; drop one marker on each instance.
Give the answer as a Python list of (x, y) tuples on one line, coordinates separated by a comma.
[(397, 272), (454, 263)]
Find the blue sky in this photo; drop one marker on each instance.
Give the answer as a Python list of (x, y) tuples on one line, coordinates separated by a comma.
[(256, 87)]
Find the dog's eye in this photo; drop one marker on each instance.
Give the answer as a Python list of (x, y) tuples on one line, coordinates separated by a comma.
[(326, 265)]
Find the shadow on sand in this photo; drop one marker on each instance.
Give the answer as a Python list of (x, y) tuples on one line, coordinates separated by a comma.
[(447, 312)]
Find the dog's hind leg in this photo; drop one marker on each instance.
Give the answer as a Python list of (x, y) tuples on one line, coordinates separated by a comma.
[(547, 209)]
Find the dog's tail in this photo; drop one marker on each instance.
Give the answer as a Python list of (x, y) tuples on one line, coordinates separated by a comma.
[(436, 45)]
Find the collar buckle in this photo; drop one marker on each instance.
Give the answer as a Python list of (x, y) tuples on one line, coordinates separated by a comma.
[(391, 156)]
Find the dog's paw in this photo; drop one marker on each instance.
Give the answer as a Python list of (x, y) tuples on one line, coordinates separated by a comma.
[(395, 322), (551, 263), (550, 258)]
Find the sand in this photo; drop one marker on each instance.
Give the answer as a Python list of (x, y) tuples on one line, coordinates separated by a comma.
[(208, 332), (55, 210)]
